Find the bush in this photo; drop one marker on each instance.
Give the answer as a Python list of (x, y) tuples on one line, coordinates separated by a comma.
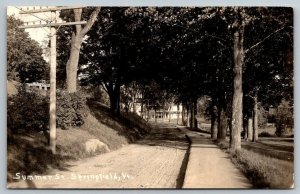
[(27, 111), (265, 134), (284, 119), (71, 109)]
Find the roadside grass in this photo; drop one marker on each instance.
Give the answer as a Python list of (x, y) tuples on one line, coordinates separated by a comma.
[(28, 154), (275, 151), (263, 171), (128, 125)]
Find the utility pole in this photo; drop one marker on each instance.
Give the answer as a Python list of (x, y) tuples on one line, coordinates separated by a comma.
[(52, 24), (52, 110)]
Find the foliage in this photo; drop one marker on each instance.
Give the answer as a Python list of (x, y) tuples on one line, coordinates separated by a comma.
[(27, 111), (268, 72), (188, 53), (265, 134), (24, 55), (71, 109), (96, 94), (262, 117), (284, 119)]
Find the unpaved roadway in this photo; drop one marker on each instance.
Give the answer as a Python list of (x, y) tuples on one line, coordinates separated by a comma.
[(163, 159), (153, 162)]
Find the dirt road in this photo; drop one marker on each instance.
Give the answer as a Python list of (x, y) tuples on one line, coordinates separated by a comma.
[(154, 162), (163, 159)]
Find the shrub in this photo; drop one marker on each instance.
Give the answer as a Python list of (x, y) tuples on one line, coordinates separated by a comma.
[(71, 109), (27, 111), (262, 117), (265, 134), (284, 119)]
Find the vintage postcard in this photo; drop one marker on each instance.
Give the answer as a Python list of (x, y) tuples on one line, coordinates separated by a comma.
[(150, 97)]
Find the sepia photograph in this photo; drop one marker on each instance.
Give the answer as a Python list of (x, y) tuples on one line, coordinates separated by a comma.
[(150, 97)]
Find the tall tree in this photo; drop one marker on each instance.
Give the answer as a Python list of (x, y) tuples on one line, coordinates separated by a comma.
[(237, 99), (25, 61), (110, 53), (76, 41), (269, 67)]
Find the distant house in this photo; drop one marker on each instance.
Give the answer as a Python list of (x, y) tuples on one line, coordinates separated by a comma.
[(173, 112), (39, 85)]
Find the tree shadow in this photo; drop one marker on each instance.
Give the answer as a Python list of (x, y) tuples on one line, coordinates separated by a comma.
[(166, 137), (29, 155)]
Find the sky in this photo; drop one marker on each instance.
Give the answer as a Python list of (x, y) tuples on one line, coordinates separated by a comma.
[(41, 35), (38, 34)]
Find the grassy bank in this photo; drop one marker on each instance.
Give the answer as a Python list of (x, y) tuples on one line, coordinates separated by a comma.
[(263, 171), (28, 151)]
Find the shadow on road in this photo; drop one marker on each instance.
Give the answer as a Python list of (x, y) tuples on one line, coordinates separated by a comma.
[(166, 135)]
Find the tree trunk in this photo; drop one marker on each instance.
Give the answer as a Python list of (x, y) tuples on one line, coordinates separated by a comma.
[(114, 97), (155, 115), (142, 109), (183, 115), (191, 121), (114, 103), (170, 109), (237, 100), (133, 104), (245, 129), (255, 120), (188, 116), (250, 129), (77, 38), (222, 124), (72, 64), (195, 115), (177, 114), (214, 123)]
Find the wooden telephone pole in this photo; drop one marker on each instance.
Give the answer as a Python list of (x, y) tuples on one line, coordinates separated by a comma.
[(52, 24)]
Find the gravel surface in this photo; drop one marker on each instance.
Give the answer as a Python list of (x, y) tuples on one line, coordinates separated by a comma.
[(154, 162)]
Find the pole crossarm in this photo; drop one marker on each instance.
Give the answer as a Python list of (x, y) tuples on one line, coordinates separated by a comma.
[(50, 9), (53, 24)]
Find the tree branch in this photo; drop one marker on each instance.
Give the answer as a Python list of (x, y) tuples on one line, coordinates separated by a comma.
[(104, 86), (260, 42), (77, 18), (91, 21), (248, 95)]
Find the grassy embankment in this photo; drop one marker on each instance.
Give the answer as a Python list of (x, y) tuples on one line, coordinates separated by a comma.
[(262, 170), (28, 153)]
